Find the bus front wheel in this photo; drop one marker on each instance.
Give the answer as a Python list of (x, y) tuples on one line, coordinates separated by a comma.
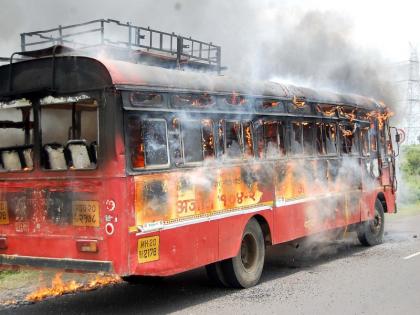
[(244, 270), (371, 232)]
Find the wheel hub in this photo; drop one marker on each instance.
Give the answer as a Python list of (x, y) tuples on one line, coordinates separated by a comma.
[(248, 251)]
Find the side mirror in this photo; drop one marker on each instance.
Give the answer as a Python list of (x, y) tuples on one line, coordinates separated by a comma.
[(397, 138)]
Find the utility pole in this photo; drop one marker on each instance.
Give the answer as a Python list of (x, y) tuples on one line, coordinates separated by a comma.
[(412, 127)]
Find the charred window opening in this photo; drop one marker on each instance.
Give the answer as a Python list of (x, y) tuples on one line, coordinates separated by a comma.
[(326, 110), (349, 139), (373, 136), (296, 145), (301, 138), (236, 99), (271, 140), (69, 131), (191, 135), (203, 100), (147, 99), (273, 105), (233, 139), (326, 139), (237, 142), (148, 142), (248, 139), (365, 141), (16, 136), (208, 139), (308, 141)]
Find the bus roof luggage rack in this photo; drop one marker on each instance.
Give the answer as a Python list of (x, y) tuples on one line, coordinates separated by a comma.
[(142, 45)]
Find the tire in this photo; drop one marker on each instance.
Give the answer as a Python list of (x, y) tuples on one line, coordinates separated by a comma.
[(244, 270), (215, 274), (370, 233)]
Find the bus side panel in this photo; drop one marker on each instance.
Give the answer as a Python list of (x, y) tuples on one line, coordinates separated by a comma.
[(180, 249), (116, 218), (231, 231), (390, 199)]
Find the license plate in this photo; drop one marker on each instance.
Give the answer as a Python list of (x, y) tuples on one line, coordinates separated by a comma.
[(86, 213), (4, 214), (148, 249)]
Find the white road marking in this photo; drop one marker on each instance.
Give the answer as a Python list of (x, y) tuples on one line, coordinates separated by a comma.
[(411, 256)]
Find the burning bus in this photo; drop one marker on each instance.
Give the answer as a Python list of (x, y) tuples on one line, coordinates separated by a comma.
[(138, 158)]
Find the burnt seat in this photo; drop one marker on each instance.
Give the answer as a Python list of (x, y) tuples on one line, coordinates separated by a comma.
[(54, 157), (79, 154), (17, 158)]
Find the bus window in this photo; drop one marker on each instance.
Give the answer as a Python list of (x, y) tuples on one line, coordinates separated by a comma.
[(320, 139), (373, 138), (346, 135), (191, 136), (208, 138), (248, 143), (308, 142), (148, 142), (296, 145), (233, 136), (155, 142), (331, 138), (271, 149), (69, 134), (236, 139), (365, 141), (16, 146)]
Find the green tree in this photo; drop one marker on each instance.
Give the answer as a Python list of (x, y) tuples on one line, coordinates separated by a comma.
[(410, 167)]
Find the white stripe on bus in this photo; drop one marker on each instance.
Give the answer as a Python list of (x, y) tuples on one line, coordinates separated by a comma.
[(159, 226)]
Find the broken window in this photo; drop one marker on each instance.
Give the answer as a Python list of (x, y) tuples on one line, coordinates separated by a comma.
[(296, 145), (146, 99), (233, 139), (69, 133), (301, 138), (349, 139), (203, 100), (308, 142), (191, 141), (155, 142), (331, 138), (271, 140), (148, 142), (248, 142), (365, 141), (208, 138), (16, 136), (237, 139)]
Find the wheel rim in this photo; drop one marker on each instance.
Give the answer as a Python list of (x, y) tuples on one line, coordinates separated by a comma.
[(248, 251), (376, 223)]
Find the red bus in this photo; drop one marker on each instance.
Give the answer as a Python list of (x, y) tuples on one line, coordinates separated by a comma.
[(111, 165)]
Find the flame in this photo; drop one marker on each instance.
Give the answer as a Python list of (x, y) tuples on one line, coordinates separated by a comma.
[(298, 102), (58, 287)]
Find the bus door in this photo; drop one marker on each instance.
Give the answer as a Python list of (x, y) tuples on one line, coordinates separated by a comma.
[(387, 160)]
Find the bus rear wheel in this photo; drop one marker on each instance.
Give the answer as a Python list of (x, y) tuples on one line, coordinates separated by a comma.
[(244, 270), (371, 232)]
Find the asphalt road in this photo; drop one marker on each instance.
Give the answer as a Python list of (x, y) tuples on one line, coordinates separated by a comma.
[(339, 277)]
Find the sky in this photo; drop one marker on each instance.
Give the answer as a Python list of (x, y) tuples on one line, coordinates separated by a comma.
[(387, 26), (328, 44)]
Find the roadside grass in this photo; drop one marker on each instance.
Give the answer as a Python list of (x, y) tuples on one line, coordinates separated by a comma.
[(405, 210), (13, 279)]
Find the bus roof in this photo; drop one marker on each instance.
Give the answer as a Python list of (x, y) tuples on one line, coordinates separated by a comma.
[(72, 74)]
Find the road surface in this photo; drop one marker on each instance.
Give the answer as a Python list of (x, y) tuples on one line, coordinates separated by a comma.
[(339, 277)]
